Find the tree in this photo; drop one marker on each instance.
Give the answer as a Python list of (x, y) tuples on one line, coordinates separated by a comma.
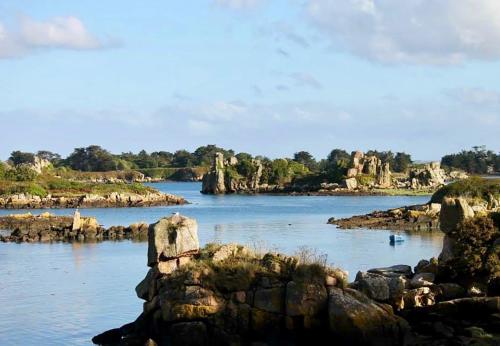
[(401, 162), (18, 157), (163, 158), (475, 161), (279, 171), (339, 157), (306, 159), (204, 155), (244, 156), (245, 167), (92, 159), (384, 156), (144, 160), (183, 158), (53, 158)]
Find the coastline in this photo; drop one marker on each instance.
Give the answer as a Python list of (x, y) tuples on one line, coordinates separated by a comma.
[(111, 200)]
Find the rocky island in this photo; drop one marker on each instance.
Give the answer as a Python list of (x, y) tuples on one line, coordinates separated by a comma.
[(47, 227), (476, 196), (35, 185), (360, 175), (229, 295)]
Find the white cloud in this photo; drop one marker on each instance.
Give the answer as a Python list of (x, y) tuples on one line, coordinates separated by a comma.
[(283, 31), (58, 32), (305, 79), (238, 4), (476, 96), (412, 31)]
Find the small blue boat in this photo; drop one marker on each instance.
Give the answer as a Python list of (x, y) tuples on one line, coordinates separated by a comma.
[(394, 238)]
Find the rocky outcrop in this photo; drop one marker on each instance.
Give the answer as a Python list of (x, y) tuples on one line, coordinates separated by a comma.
[(115, 200), (384, 176), (412, 218), (224, 178), (431, 176), (225, 294), (47, 227), (367, 165)]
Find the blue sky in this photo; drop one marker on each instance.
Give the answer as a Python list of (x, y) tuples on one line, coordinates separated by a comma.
[(265, 77)]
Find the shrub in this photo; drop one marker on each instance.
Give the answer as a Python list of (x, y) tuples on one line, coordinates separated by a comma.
[(365, 179), (478, 243), (312, 265), (471, 188), (21, 173)]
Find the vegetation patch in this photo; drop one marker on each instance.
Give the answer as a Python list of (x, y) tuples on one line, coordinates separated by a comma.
[(473, 188)]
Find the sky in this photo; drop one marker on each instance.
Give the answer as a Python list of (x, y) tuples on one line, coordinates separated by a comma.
[(268, 77)]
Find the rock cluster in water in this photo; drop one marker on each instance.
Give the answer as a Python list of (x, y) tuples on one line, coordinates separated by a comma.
[(424, 217), (27, 201), (47, 227)]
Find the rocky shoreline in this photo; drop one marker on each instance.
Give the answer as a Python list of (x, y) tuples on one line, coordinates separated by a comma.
[(112, 200), (47, 227), (229, 295), (424, 217)]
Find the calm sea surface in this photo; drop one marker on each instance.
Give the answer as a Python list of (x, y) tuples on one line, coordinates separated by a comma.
[(63, 294)]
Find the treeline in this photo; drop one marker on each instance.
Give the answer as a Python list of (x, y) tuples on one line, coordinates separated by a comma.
[(97, 159), (479, 160)]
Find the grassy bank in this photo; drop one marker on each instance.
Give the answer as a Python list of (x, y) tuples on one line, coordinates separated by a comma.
[(60, 187), (473, 188), (401, 192)]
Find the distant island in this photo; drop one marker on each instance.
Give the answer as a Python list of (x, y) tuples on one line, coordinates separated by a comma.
[(94, 177)]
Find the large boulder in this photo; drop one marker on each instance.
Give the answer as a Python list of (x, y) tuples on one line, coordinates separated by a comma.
[(214, 180), (384, 176), (305, 299), (351, 183), (171, 238), (453, 212), (355, 318)]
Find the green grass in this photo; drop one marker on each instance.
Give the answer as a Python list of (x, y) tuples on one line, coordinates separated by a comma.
[(60, 187), (402, 192), (475, 188)]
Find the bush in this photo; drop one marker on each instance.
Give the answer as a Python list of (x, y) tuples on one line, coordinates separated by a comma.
[(20, 173), (478, 243), (365, 179), (471, 188)]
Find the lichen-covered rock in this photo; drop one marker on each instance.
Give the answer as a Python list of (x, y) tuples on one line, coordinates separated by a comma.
[(453, 212), (356, 318), (145, 289), (351, 183), (305, 299), (270, 299), (374, 286), (172, 237), (384, 176), (419, 297), (189, 334), (422, 280)]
